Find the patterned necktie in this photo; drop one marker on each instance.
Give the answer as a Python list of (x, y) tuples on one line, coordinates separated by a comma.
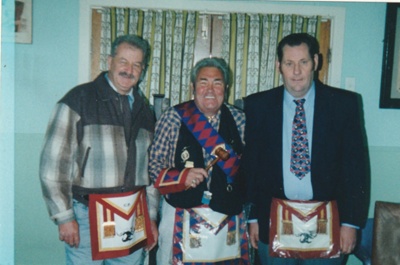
[(300, 163)]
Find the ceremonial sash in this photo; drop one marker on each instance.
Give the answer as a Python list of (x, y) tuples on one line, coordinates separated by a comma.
[(208, 137), (304, 229), (204, 237), (119, 224)]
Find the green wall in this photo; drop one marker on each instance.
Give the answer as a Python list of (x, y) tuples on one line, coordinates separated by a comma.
[(36, 237), (48, 68), (7, 134)]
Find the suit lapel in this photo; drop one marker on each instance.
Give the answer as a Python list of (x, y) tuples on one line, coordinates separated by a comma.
[(276, 120), (322, 116)]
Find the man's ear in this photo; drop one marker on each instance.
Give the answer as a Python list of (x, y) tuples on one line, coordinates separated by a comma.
[(316, 62), (226, 93), (278, 66), (192, 90)]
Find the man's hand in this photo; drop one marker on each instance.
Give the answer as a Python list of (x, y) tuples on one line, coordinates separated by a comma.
[(348, 239), (69, 233), (195, 177), (154, 231), (253, 232)]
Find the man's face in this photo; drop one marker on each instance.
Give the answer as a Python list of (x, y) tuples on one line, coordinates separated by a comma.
[(209, 90), (297, 69), (125, 68)]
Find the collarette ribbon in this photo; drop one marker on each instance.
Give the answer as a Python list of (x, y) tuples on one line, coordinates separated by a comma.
[(208, 137)]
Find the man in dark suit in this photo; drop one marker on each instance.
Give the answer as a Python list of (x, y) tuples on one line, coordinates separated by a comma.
[(336, 161)]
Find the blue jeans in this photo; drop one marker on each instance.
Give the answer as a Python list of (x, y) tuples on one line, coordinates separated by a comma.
[(83, 254), (265, 259)]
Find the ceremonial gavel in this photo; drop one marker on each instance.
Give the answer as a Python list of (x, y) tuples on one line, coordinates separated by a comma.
[(220, 153)]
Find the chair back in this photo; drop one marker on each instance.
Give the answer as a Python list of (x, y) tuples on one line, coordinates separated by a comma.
[(386, 236)]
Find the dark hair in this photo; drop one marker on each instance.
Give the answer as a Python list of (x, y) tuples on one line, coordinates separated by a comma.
[(297, 39), (137, 42)]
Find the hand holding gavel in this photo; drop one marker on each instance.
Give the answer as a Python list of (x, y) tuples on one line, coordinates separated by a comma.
[(220, 153)]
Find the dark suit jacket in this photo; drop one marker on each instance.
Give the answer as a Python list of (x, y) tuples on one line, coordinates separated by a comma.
[(339, 159)]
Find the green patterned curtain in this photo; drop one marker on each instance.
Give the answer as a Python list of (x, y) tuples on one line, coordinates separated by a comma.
[(249, 45), (171, 35)]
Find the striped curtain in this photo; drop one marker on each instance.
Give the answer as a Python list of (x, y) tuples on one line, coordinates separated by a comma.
[(250, 42), (172, 36), (249, 45)]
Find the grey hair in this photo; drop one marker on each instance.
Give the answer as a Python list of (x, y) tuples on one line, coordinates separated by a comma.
[(216, 62)]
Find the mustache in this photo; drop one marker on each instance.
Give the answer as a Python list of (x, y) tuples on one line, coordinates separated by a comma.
[(125, 74)]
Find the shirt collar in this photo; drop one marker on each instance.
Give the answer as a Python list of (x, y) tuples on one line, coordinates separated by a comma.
[(309, 96)]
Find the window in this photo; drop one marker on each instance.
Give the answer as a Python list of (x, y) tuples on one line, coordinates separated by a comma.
[(209, 32), (331, 41)]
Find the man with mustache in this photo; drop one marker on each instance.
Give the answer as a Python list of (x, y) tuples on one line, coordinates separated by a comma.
[(97, 145), (206, 202)]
